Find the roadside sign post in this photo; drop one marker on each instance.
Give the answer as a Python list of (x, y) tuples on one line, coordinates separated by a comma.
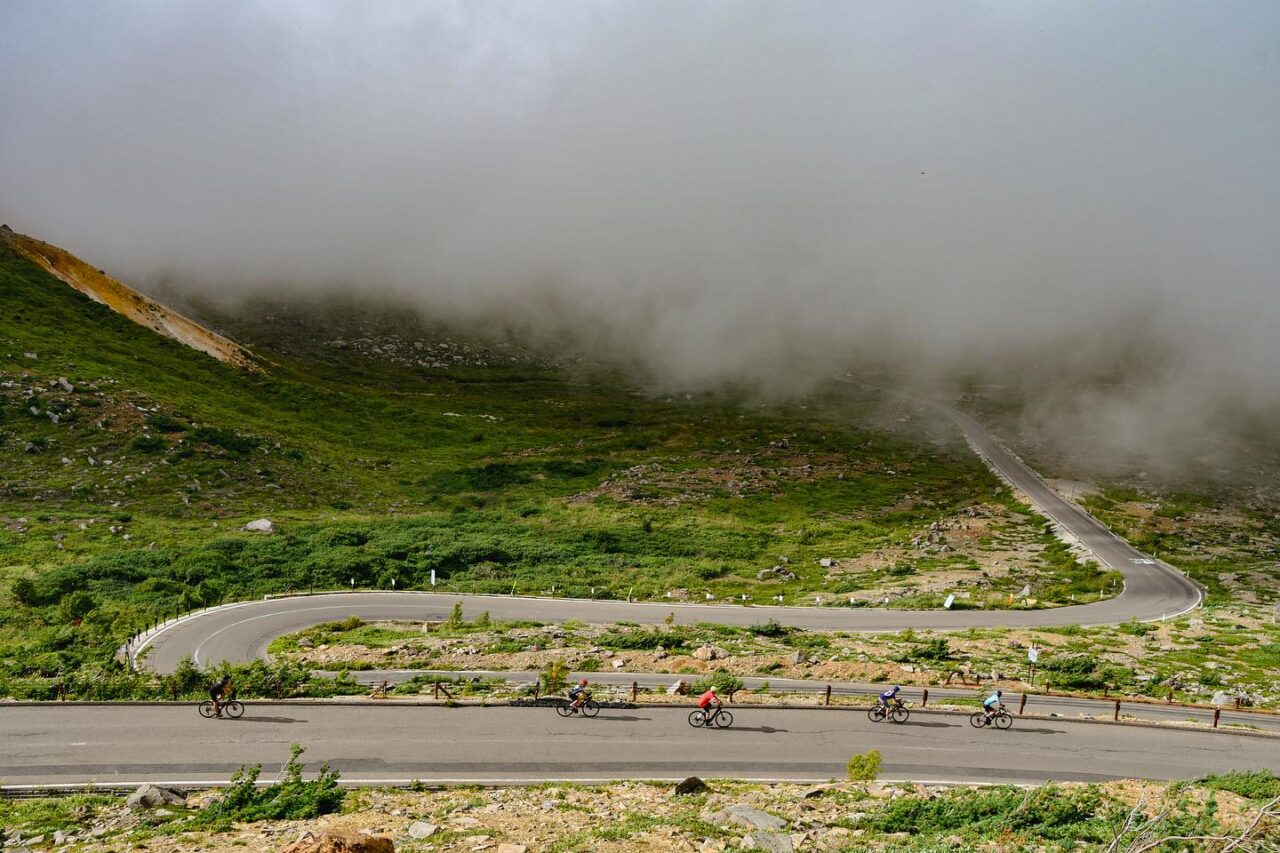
[(1033, 656), (433, 577)]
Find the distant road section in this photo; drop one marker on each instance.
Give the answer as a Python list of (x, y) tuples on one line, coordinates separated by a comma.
[(1152, 590)]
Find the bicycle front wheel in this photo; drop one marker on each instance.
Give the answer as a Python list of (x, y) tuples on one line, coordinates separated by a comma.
[(698, 718), (1003, 720), (206, 709), (977, 719), (724, 719), (564, 709), (900, 714), (590, 708)]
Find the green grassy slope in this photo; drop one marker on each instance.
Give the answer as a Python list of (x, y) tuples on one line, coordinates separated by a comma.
[(476, 460)]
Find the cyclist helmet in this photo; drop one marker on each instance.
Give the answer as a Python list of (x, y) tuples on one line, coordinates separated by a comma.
[(583, 682), (999, 693)]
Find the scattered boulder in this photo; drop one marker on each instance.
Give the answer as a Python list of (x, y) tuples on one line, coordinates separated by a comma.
[(306, 643), (334, 841), (151, 796), (692, 785), (769, 841), (512, 848), (744, 815), (260, 525), (66, 386), (677, 689), (421, 829), (704, 653), (826, 562)]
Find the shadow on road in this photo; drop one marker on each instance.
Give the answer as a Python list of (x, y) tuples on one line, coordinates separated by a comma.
[(622, 718), (929, 725), (1020, 730), (769, 730), (269, 720)]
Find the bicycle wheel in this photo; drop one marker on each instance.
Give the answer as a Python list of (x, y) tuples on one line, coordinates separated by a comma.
[(977, 719), (724, 719), (234, 709), (590, 708), (698, 718), (1003, 720), (564, 709), (899, 714), (876, 714), (206, 709)]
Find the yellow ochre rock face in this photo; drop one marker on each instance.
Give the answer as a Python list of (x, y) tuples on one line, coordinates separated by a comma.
[(123, 299)]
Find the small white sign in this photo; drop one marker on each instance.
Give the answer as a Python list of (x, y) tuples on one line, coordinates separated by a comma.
[(951, 599), (1033, 654), (433, 577)]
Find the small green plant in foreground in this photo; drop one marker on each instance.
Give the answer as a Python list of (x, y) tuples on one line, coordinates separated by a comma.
[(555, 677), (292, 798), (864, 767)]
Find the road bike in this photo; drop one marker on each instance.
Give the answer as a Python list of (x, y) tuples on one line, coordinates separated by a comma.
[(588, 708), (232, 708), (895, 713), (699, 718), (1000, 719)]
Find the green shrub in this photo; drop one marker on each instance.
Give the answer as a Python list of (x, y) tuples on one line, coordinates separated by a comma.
[(148, 444), (1255, 784), (724, 683), (555, 677), (292, 798), (864, 767), (772, 628), (1047, 812)]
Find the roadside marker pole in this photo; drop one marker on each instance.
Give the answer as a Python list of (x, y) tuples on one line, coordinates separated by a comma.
[(1116, 716), (827, 701), (1217, 712), (924, 697), (1022, 706)]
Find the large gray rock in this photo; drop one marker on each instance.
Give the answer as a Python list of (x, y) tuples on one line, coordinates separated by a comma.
[(422, 829), (150, 796), (260, 525), (748, 816), (772, 842)]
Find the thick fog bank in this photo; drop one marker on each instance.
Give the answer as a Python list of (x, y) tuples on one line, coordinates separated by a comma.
[(1078, 199)]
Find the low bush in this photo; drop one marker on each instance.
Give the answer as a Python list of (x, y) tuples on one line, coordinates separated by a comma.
[(292, 798), (864, 766)]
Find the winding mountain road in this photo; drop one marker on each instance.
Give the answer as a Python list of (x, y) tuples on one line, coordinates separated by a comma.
[(1152, 590)]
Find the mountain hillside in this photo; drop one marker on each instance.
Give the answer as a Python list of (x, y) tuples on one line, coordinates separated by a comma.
[(119, 297)]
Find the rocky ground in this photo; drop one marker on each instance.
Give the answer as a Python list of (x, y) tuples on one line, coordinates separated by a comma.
[(637, 816)]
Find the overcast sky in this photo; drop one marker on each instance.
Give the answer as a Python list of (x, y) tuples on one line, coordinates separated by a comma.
[(719, 190)]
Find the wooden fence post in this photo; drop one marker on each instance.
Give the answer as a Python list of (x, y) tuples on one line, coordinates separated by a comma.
[(1022, 706), (924, 697), (1116, 716), (1217, 712), (827, 701), (635, 691)]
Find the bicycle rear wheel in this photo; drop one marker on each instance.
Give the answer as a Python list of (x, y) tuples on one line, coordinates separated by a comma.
[(206, 709), (1003, 720), (698, 718), (899, 714), (977, 719), (724, 719), (234, 709), (876, 714), (590, 708)]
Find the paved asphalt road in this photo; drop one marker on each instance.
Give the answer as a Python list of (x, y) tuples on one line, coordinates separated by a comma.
[(618, 684), (1152, 590), (118, 744)]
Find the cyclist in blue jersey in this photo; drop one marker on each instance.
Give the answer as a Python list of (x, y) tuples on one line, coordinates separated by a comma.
[(888, 696), (991, 704)]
